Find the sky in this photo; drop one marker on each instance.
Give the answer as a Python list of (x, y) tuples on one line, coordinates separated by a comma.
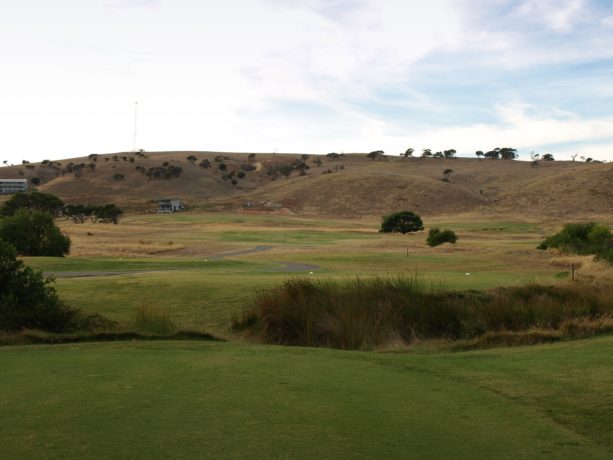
[(305, 76)]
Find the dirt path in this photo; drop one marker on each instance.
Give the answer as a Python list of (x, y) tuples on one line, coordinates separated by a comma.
[(222, 255), (293, 267)]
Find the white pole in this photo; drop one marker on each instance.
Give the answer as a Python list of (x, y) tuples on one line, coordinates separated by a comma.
[(134, 139)]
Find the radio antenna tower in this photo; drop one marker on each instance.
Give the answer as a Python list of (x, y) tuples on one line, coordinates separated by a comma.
[(134, 138)]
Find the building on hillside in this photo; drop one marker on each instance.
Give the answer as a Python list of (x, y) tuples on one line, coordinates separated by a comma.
[(168, 205), (10, 186)]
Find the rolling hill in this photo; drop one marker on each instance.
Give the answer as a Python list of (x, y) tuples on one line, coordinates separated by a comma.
[(349, 186)]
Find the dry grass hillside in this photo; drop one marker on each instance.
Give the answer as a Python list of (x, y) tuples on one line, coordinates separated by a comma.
[(350, 186)]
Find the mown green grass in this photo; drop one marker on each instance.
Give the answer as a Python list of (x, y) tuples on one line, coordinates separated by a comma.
[(93, 264), (211, 400), (293, 237), (193, 299)]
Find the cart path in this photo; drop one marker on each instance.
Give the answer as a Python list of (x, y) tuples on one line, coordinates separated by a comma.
[(294, 267), (222, 255)]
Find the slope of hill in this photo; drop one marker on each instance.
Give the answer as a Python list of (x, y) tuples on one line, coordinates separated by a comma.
[(352, 185)]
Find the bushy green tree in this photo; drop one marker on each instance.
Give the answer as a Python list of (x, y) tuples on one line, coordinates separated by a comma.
[(402, 222), (35, 201), (583, 239), (27, 300), (34, 233), (108, 213), (436, 237)]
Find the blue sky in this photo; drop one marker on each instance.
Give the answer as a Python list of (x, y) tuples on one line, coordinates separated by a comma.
[(306, 76)]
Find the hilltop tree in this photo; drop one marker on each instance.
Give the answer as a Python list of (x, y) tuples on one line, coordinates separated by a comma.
[(401, 222), (508, 153), (548, 157), (408, 153), (479, 154), (449, 153), (376, 155), (426, 153), (504, 153), (535, 157), (492, 154)]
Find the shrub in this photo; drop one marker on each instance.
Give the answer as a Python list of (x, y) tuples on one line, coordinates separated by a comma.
[(33, 233), (27, 300), (403, 222), (436, 237)]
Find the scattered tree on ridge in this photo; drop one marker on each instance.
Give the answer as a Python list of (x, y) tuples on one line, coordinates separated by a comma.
[(446, 173), (376, 155)]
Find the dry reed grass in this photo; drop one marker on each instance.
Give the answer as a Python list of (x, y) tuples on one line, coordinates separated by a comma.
[(376, 312)]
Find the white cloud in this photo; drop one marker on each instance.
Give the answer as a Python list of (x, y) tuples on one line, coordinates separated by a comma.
[(608, 22), (558, 15)]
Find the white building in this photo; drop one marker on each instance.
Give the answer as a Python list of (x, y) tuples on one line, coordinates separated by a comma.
[(168, 205), (10, 186)]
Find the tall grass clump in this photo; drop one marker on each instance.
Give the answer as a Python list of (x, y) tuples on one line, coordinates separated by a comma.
[(155, 321), (362, 313)]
